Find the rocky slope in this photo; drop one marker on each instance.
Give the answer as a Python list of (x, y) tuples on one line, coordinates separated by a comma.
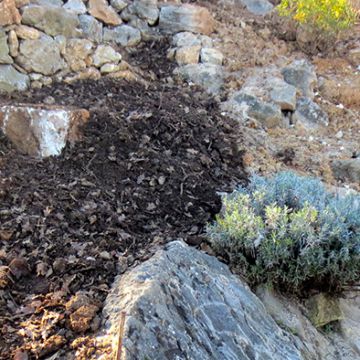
[(152, 159)]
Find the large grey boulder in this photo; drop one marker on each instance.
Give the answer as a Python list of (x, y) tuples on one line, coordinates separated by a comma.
[(302, 75), (52, 20), (257, 7), (176, 18), (92, 29), (208, 76), (5, 57), (41, 56), (309, 114), (184, 304), (12, 80), (268, 85), (243, 106), (123, 35)]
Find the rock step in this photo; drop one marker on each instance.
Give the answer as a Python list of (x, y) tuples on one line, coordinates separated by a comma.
[(40, 130)]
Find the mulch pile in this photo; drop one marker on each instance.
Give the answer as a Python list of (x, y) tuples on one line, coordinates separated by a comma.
[(146, 172)]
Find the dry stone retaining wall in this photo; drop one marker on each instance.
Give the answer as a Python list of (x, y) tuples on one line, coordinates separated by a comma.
[(46, 40)]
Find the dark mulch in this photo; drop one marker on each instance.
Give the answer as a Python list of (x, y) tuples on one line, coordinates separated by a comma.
[(147, 171)]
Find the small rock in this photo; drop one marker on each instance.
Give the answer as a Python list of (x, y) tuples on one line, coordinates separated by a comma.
[(211, 56), (36, 84), (186, 38), (5, 57), (9, 14), (105, 54), (12, 80), (105, 255), (89, 73), (109, 68), (301, 74), (77, 53), (193, 18), (13, 43), (123, 35), (188, 55), (309, 114), (91, 28), (27, 33), (118, 5), (101, 10), (49, 100), (76, 6), (57, 3), (147, 10)]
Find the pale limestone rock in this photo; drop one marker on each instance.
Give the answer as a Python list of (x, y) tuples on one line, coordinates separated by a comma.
[(188, 55), (211, 56), (105, 54), (39, 130), (52, 20), (12, 80), (102, 11), (27, 33)]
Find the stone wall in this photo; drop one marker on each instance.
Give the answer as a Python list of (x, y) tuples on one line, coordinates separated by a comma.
[(46, 40)]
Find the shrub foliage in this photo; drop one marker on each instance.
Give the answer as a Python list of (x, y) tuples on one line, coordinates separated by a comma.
[(329, 16), (290, 232)]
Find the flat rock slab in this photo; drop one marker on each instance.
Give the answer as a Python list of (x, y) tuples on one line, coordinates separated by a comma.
[(39, 130), (196, 19), (184, 304), (52, 20)]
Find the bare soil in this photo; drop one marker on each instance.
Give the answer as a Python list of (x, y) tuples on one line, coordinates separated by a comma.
[(147, 171)]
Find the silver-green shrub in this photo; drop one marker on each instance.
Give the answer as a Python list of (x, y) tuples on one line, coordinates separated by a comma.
[(291, 232)]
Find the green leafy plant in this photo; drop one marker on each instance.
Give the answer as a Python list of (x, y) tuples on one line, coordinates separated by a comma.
[(290, 232), (330, 16)]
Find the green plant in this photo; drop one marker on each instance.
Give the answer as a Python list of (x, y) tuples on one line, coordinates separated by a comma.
[(329, 16), (290, 232)]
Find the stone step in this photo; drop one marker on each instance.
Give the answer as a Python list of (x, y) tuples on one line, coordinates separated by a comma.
[(42, 130)]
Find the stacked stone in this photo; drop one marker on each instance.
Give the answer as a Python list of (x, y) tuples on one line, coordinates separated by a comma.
[(46, 40)]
